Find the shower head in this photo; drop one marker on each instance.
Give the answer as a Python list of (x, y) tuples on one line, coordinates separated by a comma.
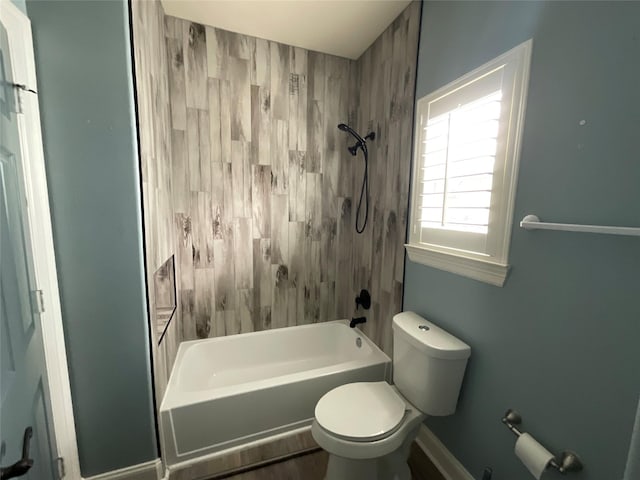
[(346, 128)]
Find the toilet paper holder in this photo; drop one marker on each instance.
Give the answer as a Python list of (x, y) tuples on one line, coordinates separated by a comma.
[(568, 461)]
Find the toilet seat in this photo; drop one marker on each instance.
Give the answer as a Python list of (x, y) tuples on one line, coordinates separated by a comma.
[(361, 412)]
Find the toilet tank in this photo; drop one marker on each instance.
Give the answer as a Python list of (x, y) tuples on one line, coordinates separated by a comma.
[(428, 364)]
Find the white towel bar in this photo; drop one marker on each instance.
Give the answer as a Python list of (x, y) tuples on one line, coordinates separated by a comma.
[(532, 222)]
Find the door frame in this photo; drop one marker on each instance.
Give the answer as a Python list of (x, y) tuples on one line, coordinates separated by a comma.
[(38, 219)]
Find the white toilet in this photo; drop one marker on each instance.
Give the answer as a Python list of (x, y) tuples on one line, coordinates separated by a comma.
[(367, 428)]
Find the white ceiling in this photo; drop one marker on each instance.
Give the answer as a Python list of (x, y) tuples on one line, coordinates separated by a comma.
[(340, 27)]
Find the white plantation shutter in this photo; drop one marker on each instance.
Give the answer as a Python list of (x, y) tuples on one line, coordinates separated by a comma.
[(458, 159), (465, 161)]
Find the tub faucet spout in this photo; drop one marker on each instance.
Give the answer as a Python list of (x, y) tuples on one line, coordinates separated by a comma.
[(356, 321)]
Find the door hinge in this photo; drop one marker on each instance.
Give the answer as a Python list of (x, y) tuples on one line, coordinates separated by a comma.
[(60, 466), (37, 300)]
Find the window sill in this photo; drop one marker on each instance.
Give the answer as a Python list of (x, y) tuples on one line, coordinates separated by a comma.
[(481, 270)]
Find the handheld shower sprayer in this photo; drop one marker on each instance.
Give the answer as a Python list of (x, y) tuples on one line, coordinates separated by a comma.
[(361, 143)]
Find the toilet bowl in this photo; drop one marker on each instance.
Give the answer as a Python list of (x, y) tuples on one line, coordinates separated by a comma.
[(368, 427), (364, 420), (372, 439)]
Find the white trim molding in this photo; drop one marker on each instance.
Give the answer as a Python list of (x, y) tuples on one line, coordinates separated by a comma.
[(152, 470), (463, 243), (18, 29), (443, 459), (481, 270)]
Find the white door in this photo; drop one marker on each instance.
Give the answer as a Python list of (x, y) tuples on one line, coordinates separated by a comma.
[(25, 413)]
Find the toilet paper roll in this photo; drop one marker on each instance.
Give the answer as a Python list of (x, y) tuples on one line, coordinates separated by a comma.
[(534, 456)]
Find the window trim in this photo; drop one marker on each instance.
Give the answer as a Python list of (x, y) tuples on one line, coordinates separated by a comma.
[(476, 265)]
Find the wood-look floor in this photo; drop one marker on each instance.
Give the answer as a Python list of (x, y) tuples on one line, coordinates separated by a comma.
[(421, 466), (313, 466)]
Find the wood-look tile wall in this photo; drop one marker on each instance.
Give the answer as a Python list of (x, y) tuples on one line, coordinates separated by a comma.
[(264, 189), (387, 72), (152, 89), (247, 180), (261, 181)]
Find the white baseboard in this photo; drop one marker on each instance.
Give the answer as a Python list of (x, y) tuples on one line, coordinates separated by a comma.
[(442, 458), (152, 470)]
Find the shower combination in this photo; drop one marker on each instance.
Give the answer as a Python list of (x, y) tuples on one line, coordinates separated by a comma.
[(361, 144)]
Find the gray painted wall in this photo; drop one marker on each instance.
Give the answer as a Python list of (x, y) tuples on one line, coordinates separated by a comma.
[(559, 341), (86, 101)]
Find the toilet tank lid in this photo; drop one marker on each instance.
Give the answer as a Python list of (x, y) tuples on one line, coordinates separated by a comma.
[(431, 339)]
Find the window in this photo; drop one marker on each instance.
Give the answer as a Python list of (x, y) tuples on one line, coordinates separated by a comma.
[(467, 137)]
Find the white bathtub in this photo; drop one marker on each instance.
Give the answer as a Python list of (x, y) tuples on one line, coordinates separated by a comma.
[(229, 391)]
